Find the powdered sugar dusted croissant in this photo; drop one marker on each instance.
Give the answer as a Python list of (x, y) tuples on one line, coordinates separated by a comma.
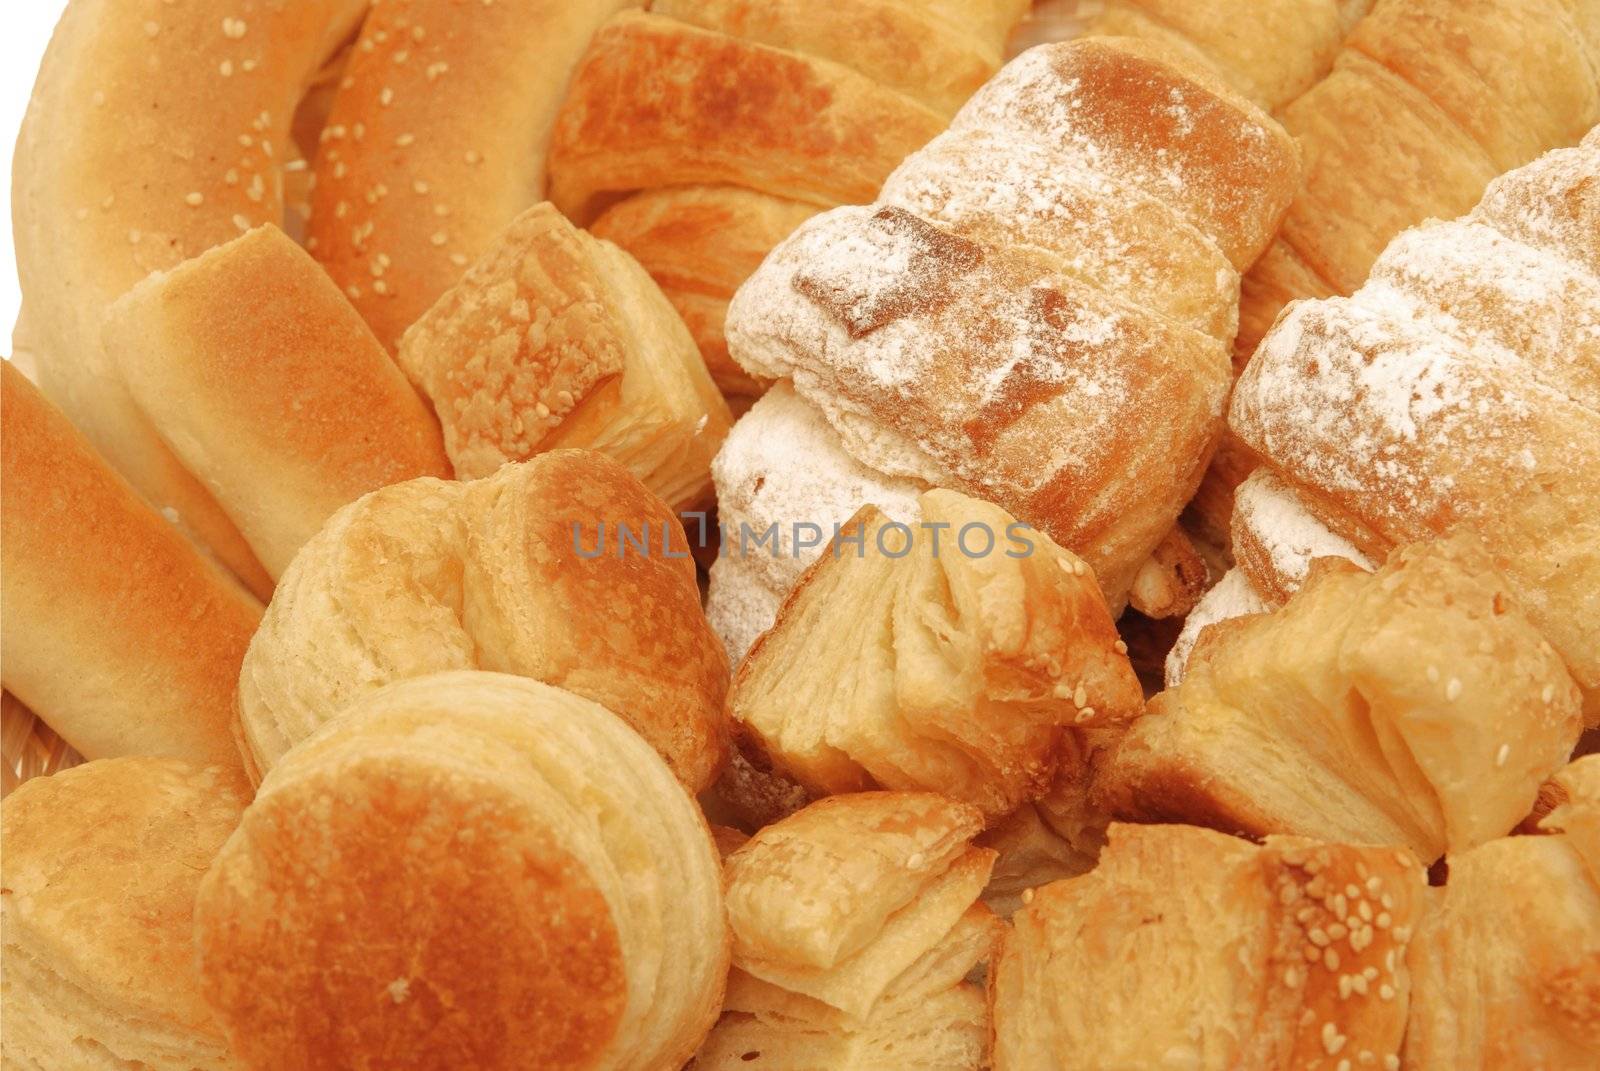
[(951, 658), (1036, 311), (854, 924), (1460, 386), (1414, 706)]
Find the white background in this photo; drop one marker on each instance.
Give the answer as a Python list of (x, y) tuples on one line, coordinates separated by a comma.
[(22, 40)]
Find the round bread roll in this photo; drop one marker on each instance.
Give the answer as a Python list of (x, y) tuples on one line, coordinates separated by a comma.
[(468, 870), (155, 132), (524, 572), (101, 866)]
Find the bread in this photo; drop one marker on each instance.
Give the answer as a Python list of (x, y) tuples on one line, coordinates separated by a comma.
[(152, 135), (1459, 388), (953, 666), (524, 572), (557, 339), (1454, 117), (1033, 314), (115, 630), (547, 894), (699, 135), (1187, 948), (436, 141), (853, 924), (1415, 706), (264, 382), (101, 867), (1507, 964)]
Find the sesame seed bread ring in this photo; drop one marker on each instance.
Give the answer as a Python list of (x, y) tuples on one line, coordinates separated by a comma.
[(116, 631), (467, 870), (436, 142), (513, 574), (155, 132), (101, 868)]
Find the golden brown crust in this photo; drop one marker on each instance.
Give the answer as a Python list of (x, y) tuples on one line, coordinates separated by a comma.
[(153, 134), (1188, 948), (436, 140), (511, 573), (1416, 706), (903, 664), (101, 869), (265, 382), (555, 897), (116, 631)]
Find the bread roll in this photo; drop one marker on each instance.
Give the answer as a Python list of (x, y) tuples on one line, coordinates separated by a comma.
[(466, 870), (854, 923), (1460, 387), (436, 141), (556, 339), (154, 133), (115, 630), (1415, 706), (1187, 948), (513, 573), (265, 383), (102, 865), (1507, 964), (950, 657)]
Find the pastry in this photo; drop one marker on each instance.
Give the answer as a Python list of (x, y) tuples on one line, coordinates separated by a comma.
[(950, 657), (854, 923), (523, 572), (466, 870), (86, 567), (556, 339), (1188, 948), (102, 863), (1415, 706)]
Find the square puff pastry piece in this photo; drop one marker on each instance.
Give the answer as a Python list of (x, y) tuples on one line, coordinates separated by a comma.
[(911, 659), (854, 923), (101, 867), (1189, 949), (555, 338), (1414, 706), (468, 870), (1507, 964)]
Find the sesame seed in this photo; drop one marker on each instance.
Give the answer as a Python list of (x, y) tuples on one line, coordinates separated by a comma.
[(152, 29), (474, 157), (435, 70), (440, 238), (1386, 992), (235, 28), (386, 97), (1548, 694), (196, 199), (1502, 755), (1330, 960), (354, 292), (226, 68), (458, 259), (380, 287), (405, 140), (1391, 1062), (1332, 1040), (1027, 896), (1452, 691), (1080, 696), (242, 222), (1120, 647)]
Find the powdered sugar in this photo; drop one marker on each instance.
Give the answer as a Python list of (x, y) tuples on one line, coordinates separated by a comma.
[(1273, 514), (1232, 597)]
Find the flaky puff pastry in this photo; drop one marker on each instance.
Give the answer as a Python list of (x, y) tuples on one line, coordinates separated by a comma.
[(1414, 706), (557, 339), (1506, 967), (524, 572), (1189, 949), (1460, 387), (468, 870), (950, 657), (102, 863), (854, 924)]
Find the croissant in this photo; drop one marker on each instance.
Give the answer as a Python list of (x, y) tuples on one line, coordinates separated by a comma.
[(524, 572), (85, 565), (1187, 948), (99, 201), (704, 131), (102, 866), (1414, 706), (267, 385), (854, 924), (548, 895), (1458, 387), (1034, 314), (1506, 966), (908, 661), (435, 141), (556, 339)]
